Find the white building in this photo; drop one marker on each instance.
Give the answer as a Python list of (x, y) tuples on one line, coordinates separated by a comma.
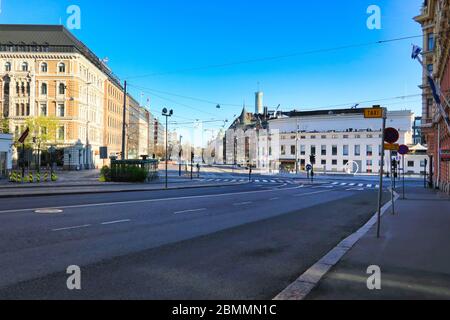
[(6, 141), (341, 140)]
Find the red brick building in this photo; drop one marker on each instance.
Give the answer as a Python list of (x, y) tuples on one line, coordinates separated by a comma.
[(435, 21)]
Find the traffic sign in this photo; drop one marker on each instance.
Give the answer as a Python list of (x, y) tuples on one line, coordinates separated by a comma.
[(24, 135), (391, 147), (373, 113), (309, 167), (403, 149), (391, 135)]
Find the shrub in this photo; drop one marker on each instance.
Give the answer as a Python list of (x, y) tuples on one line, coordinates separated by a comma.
[(105, 174), (128, 174)]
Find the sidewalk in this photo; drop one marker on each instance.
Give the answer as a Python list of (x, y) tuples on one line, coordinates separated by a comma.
[(413, 255)]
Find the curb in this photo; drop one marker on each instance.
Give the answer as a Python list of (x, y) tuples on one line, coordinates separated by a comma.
[(303, 286), (116, 191)]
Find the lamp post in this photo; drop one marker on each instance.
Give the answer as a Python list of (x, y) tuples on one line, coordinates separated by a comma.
[(166, 113), (87, 166), (180, 154)]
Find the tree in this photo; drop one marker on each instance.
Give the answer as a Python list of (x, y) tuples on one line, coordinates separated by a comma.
[(43, 129), (4, 126)]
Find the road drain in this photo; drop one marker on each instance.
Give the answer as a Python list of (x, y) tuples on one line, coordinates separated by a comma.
[(48, 211)]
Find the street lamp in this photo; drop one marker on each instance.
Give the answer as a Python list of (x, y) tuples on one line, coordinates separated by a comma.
[(87, 165), (167, 114), (181, 153)]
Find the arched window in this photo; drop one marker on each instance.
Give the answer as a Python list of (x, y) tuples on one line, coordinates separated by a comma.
[(62, 67), (44, 67), (44, 89), (62, 88), (8, 66), (25, 66)]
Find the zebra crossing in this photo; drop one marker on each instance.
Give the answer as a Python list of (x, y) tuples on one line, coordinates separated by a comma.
[(350, 186), (240, 180)]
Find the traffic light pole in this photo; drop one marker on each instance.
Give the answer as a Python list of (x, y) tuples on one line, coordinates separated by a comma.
[(380, 191)]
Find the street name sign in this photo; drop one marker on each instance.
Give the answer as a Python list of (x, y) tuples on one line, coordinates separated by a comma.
[(373, 113)]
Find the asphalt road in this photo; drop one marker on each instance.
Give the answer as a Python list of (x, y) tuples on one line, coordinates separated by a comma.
[(238, 242)]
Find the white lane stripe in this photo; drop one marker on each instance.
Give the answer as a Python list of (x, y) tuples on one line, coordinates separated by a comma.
[(311, 193), (242, 203), (107, 204), (115, 222), (273, 199), (188, 211), (72, 228)]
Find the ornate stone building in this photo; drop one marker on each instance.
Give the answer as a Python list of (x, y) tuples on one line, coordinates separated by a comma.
[(435, 20)]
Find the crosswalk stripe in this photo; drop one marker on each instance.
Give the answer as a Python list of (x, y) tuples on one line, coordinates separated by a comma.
[(335, 183), (369, 186), (360, 185)]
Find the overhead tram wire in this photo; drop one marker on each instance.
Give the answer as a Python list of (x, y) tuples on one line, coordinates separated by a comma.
[(279, 57), (179, 103)]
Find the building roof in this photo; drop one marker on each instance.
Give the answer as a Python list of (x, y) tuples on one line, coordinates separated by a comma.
[(47, 38)]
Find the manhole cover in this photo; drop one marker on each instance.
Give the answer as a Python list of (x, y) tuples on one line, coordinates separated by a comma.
[(48, 211)]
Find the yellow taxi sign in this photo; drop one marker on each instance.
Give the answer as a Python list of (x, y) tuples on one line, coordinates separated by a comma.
[(373, 113), (391, 147)]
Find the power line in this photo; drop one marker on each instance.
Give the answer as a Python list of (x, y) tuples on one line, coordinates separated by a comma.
[(278, 57)]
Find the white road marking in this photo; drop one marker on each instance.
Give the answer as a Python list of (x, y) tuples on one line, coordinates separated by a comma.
[(310, 193), (273, 199), (107, 204), (265, 181), (343, 184), (335, 183), (243, 203), (369, 186), (352, 184), (360, 185), (189, 211), (115, 222), (72, 228)]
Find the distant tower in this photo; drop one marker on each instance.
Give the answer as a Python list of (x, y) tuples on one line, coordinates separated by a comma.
[(259, 107)]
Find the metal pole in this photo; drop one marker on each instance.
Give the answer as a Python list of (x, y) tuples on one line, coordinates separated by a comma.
[(124, 119), (297, 169), (380, 191), (181, 153), (167, 160), (404, 173), (392, 185)]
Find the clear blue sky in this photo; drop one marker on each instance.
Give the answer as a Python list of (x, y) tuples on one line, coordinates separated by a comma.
[(148, 37)]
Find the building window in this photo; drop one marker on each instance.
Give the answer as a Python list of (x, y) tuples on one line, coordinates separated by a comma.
[(334, 162), (44, 67), (25, 67), (313, 150), (61, 133), (345, 151), (302, 150), (61, 110), (8, 66), (323, 162), (429, 107), (430, 41), (323, 151), (43, 109), (61, 67), (293, 150), (334, 150), (17, 110), (27, 109), (44, 89), (411, 164), (369, 163), (430, 68), (357, 150), (62, 89), (283, 150), (369, 151)]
